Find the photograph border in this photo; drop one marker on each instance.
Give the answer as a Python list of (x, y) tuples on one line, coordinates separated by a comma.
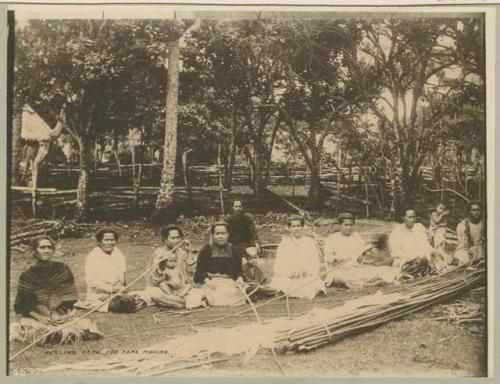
[(493, 184)]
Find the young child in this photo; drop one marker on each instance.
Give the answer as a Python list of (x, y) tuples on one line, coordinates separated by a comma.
[(175, 279), (379, 254), (439, 219), (255, 277)]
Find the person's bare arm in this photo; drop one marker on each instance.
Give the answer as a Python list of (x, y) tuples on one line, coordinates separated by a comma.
[(165, 288)]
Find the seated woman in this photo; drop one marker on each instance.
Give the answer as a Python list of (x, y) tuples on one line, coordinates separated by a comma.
[(219, 269), (349, 248), (174, 242), (296, 270), (104, 271), (45, 297), (168, 282)]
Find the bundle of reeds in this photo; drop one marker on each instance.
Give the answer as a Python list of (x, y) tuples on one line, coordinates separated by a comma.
[(371, 311)]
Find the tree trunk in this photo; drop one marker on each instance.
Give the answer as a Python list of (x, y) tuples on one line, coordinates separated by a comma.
[(256, 168), (315, 198), (137, 186), (17, 145), (81, 207), (409, 185), (228, 174), (258, 180), (185, 173), (219, 174), (270, 152), (166, 190)]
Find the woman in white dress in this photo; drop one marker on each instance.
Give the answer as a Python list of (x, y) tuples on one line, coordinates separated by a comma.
[(105, 268), (297, 266), (347, 246)]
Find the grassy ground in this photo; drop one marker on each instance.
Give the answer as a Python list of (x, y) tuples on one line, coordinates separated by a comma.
[(418, 345)]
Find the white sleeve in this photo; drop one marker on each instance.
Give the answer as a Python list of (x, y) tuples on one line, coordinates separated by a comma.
[(94, 274), (423, 239), (313, 264), (329, 249), (280, 267), (395, 245), (123, 265)]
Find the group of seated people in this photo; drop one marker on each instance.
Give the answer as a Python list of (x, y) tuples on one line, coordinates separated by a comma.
[(226, 270)]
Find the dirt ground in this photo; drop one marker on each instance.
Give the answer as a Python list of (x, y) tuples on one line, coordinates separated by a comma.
[(418, 345)]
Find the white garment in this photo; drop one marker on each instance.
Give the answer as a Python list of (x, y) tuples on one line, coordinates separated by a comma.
[(340, 247), (297, 264), (407, 244), (102, 269)]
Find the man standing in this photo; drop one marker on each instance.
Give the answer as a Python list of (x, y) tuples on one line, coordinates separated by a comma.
[(242, 233), (408, 240), (471, 235)]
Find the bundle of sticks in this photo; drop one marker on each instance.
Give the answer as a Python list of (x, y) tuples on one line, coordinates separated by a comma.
[(406, 300), (26, 233)]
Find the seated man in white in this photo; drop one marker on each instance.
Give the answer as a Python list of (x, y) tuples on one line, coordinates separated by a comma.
[(409, 241), (297, 265), (347, 247)]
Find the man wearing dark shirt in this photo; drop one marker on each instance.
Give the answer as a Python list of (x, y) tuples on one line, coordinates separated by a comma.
[(242, 233)]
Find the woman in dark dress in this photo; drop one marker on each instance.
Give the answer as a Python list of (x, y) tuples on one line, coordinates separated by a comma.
[(219, 269), (45, 299)]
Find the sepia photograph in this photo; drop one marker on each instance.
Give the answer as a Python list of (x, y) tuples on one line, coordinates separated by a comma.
[(248, 192)]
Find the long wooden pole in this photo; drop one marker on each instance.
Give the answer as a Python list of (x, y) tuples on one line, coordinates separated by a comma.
[(259, 320)]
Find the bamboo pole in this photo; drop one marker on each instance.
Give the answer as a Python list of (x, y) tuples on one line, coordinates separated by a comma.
[(260, 322)]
